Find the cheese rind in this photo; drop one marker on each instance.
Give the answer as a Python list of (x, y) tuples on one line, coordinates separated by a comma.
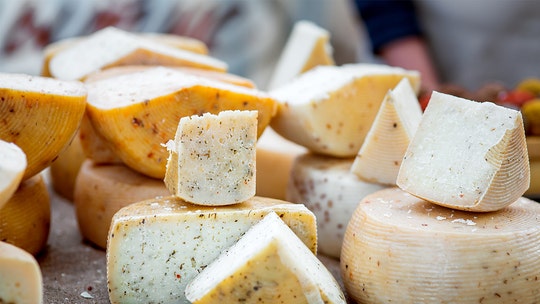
[(63, 171), (12, 166)]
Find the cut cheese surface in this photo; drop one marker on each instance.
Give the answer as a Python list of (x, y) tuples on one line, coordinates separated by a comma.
[(166, 242), (326, 186), (269, 264), (21, 280), (467, 155), (400, 248), (12, 166), (330, 109), (380, 155)]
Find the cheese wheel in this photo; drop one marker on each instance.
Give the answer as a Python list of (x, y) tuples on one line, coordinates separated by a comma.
[(328, 188), (102, 190), (94, 146), (64, 170), (467, 155), (269, 264), (534, 188), (21, 282), (156, 247), (12, 166), (25, 219), (401, 249), (330, 109)]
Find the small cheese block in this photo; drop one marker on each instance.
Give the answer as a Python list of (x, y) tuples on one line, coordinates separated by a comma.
[(25, 219), (328, 188), (21, 280), (308, 46), (114, 47), (269, 264), (12, 166), (212, 158), (380, 156), (156, 247), (330, 109), (102, 190), (467, 155), (63, 171), (137, 113), (401, 249)]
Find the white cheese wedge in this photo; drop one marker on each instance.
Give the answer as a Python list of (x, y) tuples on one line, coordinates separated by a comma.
[(380, 156), (156, 247), (21, 280), (401, 249), (12, 166), (330, 109), (307, 46), (326, 186), (467, 155), (269, 264)]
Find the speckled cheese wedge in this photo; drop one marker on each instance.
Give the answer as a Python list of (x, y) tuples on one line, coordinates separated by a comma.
[(102, 190), (212, 158), (467, 155), (156, 247), (269, 264), (21, 282), (380, 156), (308, 46), (55, 109), (12, 166), (401, 249), (327, 187), (330, 109)]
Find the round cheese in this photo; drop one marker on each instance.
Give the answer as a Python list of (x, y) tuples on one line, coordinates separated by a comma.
[(64, 170), (12, 166)]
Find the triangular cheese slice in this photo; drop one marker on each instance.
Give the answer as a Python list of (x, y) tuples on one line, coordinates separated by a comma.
[(12, 166)]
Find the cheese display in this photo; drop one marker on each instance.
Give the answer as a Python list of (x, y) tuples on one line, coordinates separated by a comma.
[(401, 249), (212, 158), (326, 186), (330, 109), (269, 264), (55, 109), (156, 247), (467, 155), (12, 166), (64, 170), (102, 190), (379, 158), (21, 282)]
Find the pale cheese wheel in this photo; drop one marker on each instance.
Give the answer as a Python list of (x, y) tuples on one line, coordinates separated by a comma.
[(63, 171), (401, 249), (12, 166)]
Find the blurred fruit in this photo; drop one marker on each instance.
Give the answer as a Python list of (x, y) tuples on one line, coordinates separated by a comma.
[(514, 97), (489, 91), (531, 116), (531, 85)]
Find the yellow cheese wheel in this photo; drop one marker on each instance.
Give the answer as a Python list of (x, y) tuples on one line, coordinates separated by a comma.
[(63, 171)]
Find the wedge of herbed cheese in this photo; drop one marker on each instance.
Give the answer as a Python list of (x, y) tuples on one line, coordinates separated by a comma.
[(330, 109), (401, 249), (269, 264), (380, 156), (12, 166), (467, 155), (156, 247)]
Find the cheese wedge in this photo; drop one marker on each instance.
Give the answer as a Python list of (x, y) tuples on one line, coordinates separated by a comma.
[(330, 109), (212, 158), (380, 156), (113, 47), (156, 247), (63, 171), (326, 186), (40, 115), (401, 249), (12, 166), (139, 112), (21, 282), (102, 190), (467, 155), (269, 264), (307, 47)]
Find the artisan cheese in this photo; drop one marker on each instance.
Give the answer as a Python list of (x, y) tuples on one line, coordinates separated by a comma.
[(326, 186), (269, 264), (330, 109), (156, 247), (212, 158), (21, 280), (63, 171), (53, 107), (137, 113), (308, 46), (467, 155), (102, 190), (94, 145), (380, 155), (401, 249), (12, 166)]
